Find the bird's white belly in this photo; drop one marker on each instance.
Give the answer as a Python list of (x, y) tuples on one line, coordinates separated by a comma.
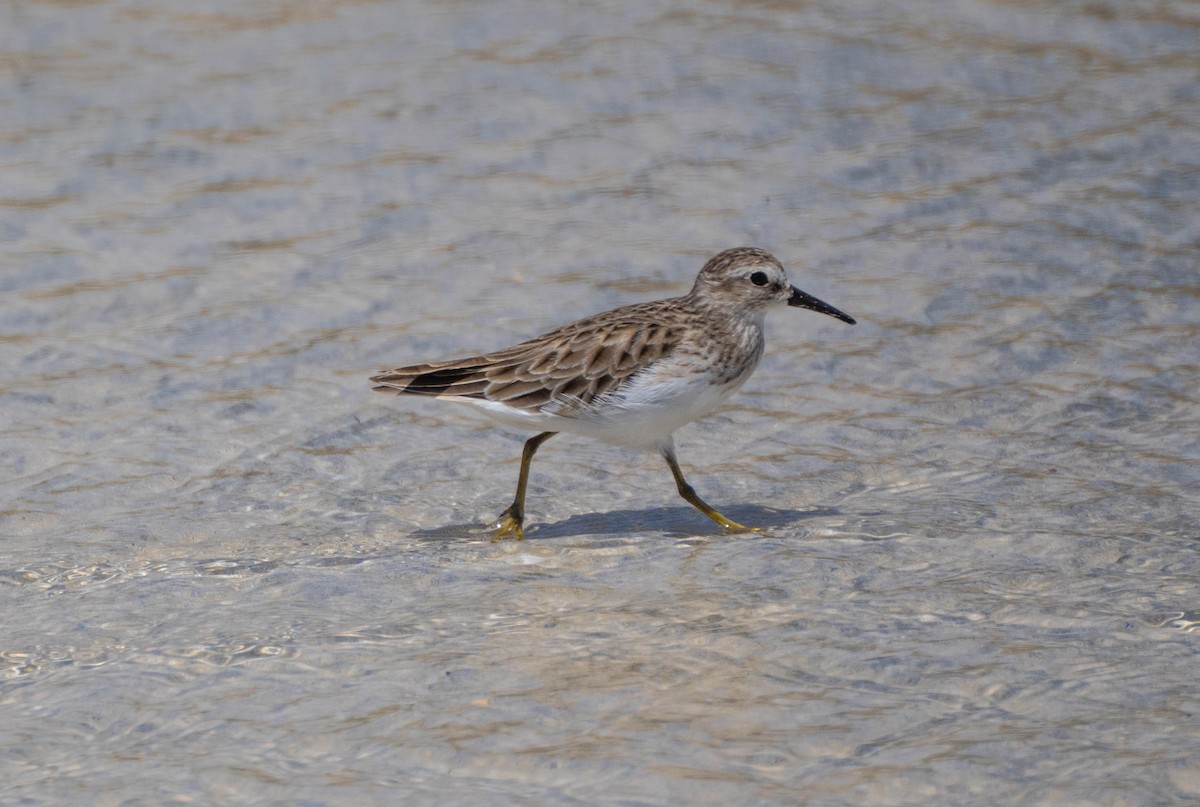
[(642, 415)]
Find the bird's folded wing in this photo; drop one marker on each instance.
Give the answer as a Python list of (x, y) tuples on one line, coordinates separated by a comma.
[(568, 368)]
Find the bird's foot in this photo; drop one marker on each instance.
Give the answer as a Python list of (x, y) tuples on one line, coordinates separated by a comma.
[(732, 527), (509, 523)]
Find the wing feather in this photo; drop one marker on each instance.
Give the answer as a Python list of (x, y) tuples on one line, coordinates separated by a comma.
[(567, 368)]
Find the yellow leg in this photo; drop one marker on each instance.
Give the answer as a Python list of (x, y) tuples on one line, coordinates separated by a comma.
[(511, 521), (689, 494)]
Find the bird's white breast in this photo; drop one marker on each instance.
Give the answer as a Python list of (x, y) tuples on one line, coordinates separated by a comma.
[(641, 414)]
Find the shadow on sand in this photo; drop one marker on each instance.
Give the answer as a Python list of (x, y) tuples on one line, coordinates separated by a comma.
[(672, 522)]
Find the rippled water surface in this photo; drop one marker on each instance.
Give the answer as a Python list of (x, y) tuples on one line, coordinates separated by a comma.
[(231, 574)]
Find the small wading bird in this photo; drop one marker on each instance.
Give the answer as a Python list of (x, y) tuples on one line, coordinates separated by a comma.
[(630, 376)]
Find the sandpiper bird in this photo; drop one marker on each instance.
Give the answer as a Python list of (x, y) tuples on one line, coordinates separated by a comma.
[(630, 376)]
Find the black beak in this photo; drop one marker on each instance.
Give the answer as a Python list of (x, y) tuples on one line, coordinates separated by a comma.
[(800, 299)]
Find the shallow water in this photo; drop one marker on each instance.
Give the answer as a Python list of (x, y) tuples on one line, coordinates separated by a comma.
[(232, 574)]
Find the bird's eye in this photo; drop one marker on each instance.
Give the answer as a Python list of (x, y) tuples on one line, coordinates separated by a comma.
[(759, 278)]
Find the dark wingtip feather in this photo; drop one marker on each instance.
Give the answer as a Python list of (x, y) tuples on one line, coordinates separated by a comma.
[(435, 382), (462, 381)]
